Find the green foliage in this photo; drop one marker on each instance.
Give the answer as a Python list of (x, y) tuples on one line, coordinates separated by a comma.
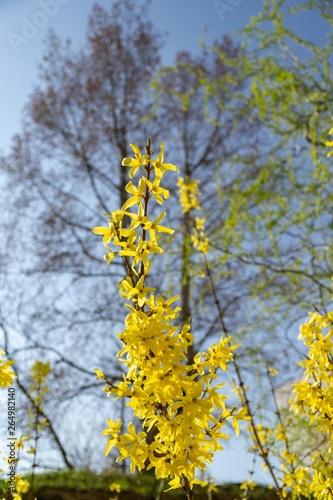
[(91, 483), (274, 195)]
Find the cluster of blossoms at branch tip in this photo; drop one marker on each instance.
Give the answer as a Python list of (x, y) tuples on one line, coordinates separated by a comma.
[(294, 478), (6, 374), (21, 487), (314, 397), (7, 377), (176, 402), (188, 194), (307, 475), (189, 200), (38, 390)]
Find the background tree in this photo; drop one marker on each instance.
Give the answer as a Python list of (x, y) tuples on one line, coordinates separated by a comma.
[(63, 167), (200, 132), (63, 172), (276, 226), (78, 123)]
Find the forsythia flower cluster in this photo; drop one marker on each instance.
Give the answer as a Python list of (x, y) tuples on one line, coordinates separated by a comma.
[(294, 478), (307, 473), (6, 375), (314, 397), (188, 198), (178, 405), (330, 143), (188, 194), (21, 486), (38, 390), (6, 379)]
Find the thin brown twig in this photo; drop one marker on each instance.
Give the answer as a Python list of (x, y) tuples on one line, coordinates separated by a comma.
[(263, 452)]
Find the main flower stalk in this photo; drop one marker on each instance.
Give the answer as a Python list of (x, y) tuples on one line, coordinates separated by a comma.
[(182, 401)]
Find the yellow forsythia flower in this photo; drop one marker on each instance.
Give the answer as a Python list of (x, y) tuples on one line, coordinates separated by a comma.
[(6, 374), (314, 398), (330, 143)]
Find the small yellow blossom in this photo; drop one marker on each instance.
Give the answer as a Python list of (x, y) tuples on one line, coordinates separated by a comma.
[(6, 374), (115, 487), (154, 226), (330, 143), (137, 162), (160, 167), (188, 194), (137, 293)]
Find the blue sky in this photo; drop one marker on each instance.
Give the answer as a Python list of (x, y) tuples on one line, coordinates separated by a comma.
[(183, 19)]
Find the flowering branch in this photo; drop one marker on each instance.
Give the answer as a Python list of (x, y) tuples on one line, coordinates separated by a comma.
[(178, 398)]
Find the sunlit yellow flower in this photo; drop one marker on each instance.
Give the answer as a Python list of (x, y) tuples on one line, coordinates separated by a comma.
[(137, 162), (137, 194), (160, 167), (188, 194), (137, 293), (154, 225), (115, 487), (157, 191), (6, 374)]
